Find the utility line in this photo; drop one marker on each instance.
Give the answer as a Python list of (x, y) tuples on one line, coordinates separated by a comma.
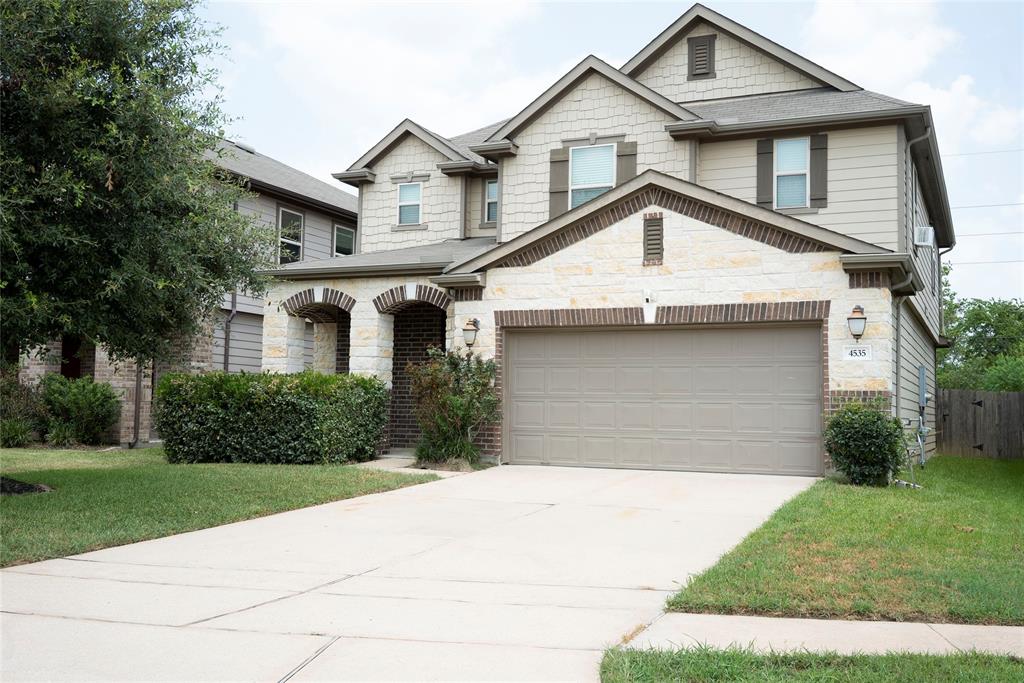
[(986, 206), (986, 234), (991, 151), (978, 263)]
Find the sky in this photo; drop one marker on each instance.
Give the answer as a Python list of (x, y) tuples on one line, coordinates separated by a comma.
[(315, 84)]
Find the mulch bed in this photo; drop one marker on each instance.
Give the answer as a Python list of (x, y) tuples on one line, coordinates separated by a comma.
[(13, 487)]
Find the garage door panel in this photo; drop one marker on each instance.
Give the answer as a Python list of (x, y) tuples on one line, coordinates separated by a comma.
[(717, 399)]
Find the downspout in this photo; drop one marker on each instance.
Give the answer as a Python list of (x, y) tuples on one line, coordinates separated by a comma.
[(942, 309), (227, 329), (898, 303), (138, 404)]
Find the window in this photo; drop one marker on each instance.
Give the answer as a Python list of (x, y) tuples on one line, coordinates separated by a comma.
[(289, 228), (409, 195), (591, 172), (491, 201), (344, 240), (792, 162)]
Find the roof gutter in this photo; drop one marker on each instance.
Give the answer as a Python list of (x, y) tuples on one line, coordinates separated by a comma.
[(431, 268), (681, 130), (303, 199), (900, 267)]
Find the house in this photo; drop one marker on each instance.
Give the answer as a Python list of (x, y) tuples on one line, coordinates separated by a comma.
[(314, 220), (668, 260)]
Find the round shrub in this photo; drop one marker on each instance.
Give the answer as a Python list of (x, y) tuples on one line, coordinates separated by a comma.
[(87, 408), (865, 443), (302, 418)]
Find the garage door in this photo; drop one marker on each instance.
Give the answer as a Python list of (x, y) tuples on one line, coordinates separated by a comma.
[(718, 400)]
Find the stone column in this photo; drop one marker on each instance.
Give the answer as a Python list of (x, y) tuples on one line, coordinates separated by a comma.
[(325, 347), (283, 337), (373, 338)]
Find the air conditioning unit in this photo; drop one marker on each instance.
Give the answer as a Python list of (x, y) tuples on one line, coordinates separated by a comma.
[(924, 236)]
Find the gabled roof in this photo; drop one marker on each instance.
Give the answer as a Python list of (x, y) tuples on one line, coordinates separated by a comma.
[(273, 176), (656, 180), (789, 106), (409, 127), (563, 85), (699, 13)]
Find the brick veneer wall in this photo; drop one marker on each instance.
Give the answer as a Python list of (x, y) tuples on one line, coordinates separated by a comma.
[(343, 346), (418, 326)]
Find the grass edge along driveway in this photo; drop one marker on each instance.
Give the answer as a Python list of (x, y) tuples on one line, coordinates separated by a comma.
[(102, 499), (710, 664), (950, 552)]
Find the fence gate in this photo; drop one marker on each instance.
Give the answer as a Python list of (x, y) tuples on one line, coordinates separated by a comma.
[(981, 424)]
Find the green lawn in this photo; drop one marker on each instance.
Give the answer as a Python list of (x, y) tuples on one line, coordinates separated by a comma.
[(706, 664), (952, 552), (105, 499)]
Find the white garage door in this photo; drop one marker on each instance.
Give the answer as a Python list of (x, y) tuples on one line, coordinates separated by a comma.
[(718, 400)]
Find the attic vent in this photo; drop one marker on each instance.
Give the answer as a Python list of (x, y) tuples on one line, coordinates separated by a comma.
[(702, 57), (654, 239)]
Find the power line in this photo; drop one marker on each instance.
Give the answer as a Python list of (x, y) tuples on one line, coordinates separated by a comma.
[(986, 234), (991, 151), (978, 263), (986, 206)]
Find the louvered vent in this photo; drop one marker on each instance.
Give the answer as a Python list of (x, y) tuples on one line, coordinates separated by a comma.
[(701, 59), (654, 240)]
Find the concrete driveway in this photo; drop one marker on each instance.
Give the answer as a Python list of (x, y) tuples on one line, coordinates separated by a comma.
[(513, 573)]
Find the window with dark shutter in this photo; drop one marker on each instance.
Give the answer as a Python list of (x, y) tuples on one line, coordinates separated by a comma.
[(701, 57), (654, 240)]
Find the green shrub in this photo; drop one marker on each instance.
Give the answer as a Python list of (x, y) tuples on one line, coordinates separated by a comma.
[(88, 408), (1005, 374), (263, 418), (20, 401), (455, 397), (866, 443), (15, 432), (61, 434)]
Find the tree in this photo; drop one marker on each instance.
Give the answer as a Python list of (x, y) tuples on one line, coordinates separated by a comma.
[(987, 342), (114, 227)]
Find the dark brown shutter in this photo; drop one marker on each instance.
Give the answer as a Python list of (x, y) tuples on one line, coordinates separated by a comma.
[(654, 239), (819, 170), (558, 190), (701, 57), (765, 171), (625, 162)]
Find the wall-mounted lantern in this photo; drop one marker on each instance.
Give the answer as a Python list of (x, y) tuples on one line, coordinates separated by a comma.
[(857, 322), (469, 331)]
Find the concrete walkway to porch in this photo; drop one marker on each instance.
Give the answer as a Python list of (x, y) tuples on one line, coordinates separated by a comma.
[(675, 631)]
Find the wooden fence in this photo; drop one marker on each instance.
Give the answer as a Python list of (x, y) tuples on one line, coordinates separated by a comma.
[(981, 424)]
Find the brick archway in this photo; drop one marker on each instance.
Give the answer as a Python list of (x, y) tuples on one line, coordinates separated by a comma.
[(326, 307), (403, 296)]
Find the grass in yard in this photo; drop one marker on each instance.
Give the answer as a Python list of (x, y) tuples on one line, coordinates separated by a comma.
[(950, 552), (708, 664), (102, 499)]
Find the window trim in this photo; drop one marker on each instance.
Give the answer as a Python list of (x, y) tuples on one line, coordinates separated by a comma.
[(302, 237), (484, 221), (615, 171), (776, 174), (418, 204), (334, 237)]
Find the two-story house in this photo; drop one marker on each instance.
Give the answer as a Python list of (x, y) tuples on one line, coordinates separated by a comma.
[(683, 263), (312, 220)]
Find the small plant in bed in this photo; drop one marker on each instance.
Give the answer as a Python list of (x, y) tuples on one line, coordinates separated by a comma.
[(455, 397), (865, 443)]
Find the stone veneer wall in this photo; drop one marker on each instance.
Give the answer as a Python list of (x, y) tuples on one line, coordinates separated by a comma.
[(739, 70), (596, 105), (417, 327)]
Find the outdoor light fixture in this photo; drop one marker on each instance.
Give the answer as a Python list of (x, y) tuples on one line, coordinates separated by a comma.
[(469, 331), (857, 322)]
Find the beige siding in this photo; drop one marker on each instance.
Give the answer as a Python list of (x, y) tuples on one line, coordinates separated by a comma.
[(475, 209), (318, 227), (739, 70), (926, 261), (246, 350), (598, 106), (440, 210), (862, 181), (916, 349)]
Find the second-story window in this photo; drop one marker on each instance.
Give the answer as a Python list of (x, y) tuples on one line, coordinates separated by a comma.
[(289, 230), (344, 240), (792, 176), (491, 199), (409, 199), (591, 172)]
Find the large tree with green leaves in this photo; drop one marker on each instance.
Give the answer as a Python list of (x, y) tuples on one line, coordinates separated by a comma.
[(115, 227), (987, 342)]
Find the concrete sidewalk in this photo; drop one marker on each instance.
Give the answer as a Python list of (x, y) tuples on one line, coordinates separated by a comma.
[(673, 631)]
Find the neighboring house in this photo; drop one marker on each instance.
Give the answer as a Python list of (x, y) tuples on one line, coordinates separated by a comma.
[(662, 258), (314, 220)]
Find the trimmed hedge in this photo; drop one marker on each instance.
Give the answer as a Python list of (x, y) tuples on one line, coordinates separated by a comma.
[(296, 419), (866, 443)]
